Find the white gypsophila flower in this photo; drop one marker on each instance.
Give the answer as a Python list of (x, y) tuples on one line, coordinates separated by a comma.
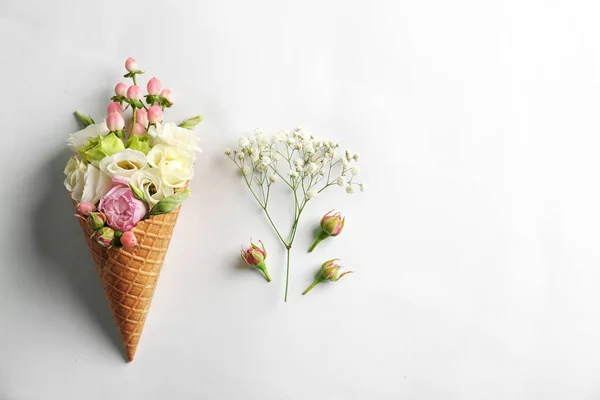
[(240, 155), (97, 184), (174, 135), (246, 171), (124, 163), (261, 167), (276, 157), (293, 173), (257, 131), (362, 187), (151, 182), (341, 181), (263, 140), (244, 142), (311, 168), (345, 163), (227, 152), (272, 178), (265, 160), (356, 157), (348, 155), (75, 176), (254, 153), (355, 170), (349, 189), (81, 138), (298, 162), (311, 194)]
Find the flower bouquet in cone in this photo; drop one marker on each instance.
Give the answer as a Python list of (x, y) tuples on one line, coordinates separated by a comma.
[(127, 179)]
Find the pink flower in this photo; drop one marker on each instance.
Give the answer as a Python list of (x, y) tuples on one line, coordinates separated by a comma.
[(134, 92), (155, 114), (123, 211), (154, 86), (141, 116), (255, 257), (121, 89), (167, 94), (332, 224), (138, 129), (128, 239), (115, 122), (114, 107), (131, 65), (86, 208)]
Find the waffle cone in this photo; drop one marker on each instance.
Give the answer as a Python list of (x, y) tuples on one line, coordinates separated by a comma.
[(129, 274)]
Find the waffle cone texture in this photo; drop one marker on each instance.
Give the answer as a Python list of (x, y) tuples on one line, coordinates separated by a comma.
[(129, 274)]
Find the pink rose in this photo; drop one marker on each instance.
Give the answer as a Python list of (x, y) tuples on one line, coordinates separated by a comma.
[(121, 208)]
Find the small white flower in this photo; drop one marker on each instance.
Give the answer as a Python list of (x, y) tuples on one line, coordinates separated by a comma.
[(97, 184), (174, 135), (345, 163), (75, 171), (257, 131), (244, 142), (298, 163), (291, 141), (240, 155), (311, 168), (293, 173), (227, 152), (266, 160), (254, 153), (341, 181), (276, 156), (79, 139), (362, 187), (272, 178), (263, 140), (246, 171), (349, 189), (261, 167), (151, 182), (356, 157), (312, 193), (355, 170), (348, 155), (124, 163)]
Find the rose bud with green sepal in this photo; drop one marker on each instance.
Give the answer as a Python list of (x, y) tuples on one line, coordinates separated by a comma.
[(331, 225), (330, 271), (96, 219), (104, 236), (255, 257), (128, 239), (86, 208)]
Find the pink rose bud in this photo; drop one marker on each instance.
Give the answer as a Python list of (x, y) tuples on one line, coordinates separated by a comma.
[(134, 92), (255, 257), (155, 114), (138, 129), (330, 271), (123, 210), (96, 219), (104, 236), (131, 65), (86, 208), (154, 87), (121, 89), (167, 94), (128, 239), (141, 116), (114, 107), (331, 225), (115, 122)]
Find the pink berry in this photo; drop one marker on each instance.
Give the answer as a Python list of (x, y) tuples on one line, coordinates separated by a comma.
[(138, 129), (155, 114), (131, 65), (86, 208), (141, 116), (154, 86), (115, 122), (114, 107), (121, 89), (167, 94), (128, 239), (134, 92)]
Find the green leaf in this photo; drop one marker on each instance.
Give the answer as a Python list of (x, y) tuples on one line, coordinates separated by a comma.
[(190, 123), (139, 194), (136, 103), (170, 203), (84, 120)]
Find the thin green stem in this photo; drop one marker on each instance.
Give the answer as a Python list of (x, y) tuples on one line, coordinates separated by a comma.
[(287, 275), (315, 283)]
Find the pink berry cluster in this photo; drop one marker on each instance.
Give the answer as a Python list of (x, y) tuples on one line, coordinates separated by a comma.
[(104, 235), (143, 115)]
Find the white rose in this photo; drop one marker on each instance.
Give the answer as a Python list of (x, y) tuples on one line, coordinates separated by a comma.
[(75, 172), (124, 163), (174, 135), (150, 182), (175, 164), (97, 184), (79, 139)]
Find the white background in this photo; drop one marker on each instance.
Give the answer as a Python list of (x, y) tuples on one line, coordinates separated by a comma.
[(475, 249)]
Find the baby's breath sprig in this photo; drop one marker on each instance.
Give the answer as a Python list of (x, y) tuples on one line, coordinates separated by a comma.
[(307, 166)]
